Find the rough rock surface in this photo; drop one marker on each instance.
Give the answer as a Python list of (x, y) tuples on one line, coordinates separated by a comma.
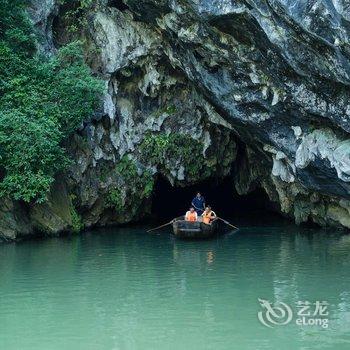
[(270, 75)]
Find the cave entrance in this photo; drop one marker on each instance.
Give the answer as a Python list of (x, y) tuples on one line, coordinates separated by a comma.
[(170, 202), (118, 4)]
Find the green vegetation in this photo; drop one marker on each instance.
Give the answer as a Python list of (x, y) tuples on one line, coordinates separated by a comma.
[(137, 186), (76, 13), (42, 101), (77, 222), (159, 148), (115, 199), (170, 110), (143, 183)]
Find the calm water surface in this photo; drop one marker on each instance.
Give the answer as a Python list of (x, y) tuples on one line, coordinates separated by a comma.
[(125, 289)]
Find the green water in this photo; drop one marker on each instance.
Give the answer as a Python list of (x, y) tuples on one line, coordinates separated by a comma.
[(125, 289)]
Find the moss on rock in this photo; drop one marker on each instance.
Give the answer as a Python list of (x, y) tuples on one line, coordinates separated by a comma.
[(162, 149), (134, 185)]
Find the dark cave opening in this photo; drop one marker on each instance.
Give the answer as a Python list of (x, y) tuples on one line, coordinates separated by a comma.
[(170, 202), (118, 4)]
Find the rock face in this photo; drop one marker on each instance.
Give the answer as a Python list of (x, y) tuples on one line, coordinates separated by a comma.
[(42, 13), (187, 81)]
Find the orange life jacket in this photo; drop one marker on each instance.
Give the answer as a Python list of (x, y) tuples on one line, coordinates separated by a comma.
[(207, 217), (191, 216)]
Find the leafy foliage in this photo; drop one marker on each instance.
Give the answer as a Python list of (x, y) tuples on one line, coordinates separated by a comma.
[(160, 148), (42, 101), (137, 187), (77, 222), (15, 27), (115, 199), (170, 110), (75, 13)]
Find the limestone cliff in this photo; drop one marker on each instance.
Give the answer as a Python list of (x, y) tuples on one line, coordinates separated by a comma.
[(255, 90)]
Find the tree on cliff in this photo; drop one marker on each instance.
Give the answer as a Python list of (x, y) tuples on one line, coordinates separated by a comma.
[(42, 101)]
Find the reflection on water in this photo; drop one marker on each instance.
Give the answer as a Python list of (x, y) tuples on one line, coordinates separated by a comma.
[(125, 289)]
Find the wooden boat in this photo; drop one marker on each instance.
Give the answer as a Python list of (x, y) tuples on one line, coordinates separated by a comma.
[(194, 230)]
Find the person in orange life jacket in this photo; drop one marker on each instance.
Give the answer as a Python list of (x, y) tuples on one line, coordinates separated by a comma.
[(208, 215), (191, 215), (198, 203)]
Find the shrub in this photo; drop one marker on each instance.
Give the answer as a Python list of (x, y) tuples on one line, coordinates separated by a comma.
[(115, 199), (77, 222)]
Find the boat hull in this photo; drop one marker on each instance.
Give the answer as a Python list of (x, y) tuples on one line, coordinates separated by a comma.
[(194, 230)]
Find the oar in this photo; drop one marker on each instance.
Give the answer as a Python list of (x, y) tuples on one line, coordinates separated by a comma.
[(227, 223), (157, 228)]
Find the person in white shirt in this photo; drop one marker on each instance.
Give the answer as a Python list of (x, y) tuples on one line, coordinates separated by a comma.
[(191, 215)]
